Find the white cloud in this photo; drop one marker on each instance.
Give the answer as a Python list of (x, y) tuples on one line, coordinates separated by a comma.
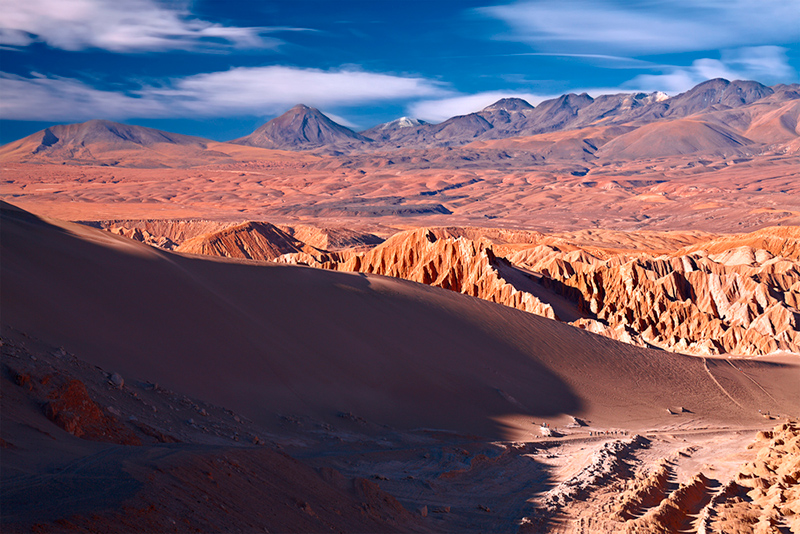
[(118, 26), (40, 98), (260, 91), (269, 90), (766, 64), (604, 26), (437, 110), (338, 119), (763, 63)]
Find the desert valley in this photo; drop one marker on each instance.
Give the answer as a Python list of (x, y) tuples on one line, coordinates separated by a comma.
[(581, 316)]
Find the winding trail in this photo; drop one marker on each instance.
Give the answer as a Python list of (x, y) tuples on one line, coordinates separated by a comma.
[(725, 391), (751, 379)]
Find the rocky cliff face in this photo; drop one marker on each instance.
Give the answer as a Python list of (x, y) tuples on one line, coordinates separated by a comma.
[(249, 240), (143, 236), (155, 231), (740, 300), (459, 264), (718, 297), (767, 487)]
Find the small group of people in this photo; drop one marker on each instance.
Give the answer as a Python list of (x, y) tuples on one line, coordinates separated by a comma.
[(608, 432)]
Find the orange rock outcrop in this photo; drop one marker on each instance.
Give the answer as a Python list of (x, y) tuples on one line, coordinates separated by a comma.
[(738, 300), (248, 240), (765, 495), (334, 239), (459, 264)]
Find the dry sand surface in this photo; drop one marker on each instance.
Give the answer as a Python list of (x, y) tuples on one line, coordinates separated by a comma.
[(402, 407)]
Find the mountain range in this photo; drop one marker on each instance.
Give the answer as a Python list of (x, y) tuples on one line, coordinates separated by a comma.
[(717, 116)]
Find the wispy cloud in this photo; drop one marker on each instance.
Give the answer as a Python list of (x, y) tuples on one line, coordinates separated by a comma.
[(608, 27), (766, 64), (608, 61), (260, 91), (42, 98), (268, 90), (119, 26)]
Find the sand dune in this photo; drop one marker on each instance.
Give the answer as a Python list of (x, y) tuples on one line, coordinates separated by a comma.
[(270, 339), (82, 454)]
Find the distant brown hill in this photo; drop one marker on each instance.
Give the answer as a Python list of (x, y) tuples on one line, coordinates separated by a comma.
[(391, 129), (509, 118), (714, 93), (99, 139), (674, 137), (111, 143), (301, 128)]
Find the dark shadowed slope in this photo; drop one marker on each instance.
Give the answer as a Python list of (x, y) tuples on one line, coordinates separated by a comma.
[(268, 339)]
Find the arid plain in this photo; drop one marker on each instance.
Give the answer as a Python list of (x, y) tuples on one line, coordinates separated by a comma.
[(575, 317)]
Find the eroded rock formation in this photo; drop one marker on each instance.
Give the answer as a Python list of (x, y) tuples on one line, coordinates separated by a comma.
[(249, 240), (766, 493), (333, 239), (143, 236), (459, 264), (738, 300)]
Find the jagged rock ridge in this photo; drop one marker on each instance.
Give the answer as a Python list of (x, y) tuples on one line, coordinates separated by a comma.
[(459, 264), (739, 301), (249, 240), (331, 239)]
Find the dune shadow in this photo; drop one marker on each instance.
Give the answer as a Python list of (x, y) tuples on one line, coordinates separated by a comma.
[(264, 339)]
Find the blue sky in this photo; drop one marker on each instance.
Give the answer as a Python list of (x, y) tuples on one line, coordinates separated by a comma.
[(220, 69)]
